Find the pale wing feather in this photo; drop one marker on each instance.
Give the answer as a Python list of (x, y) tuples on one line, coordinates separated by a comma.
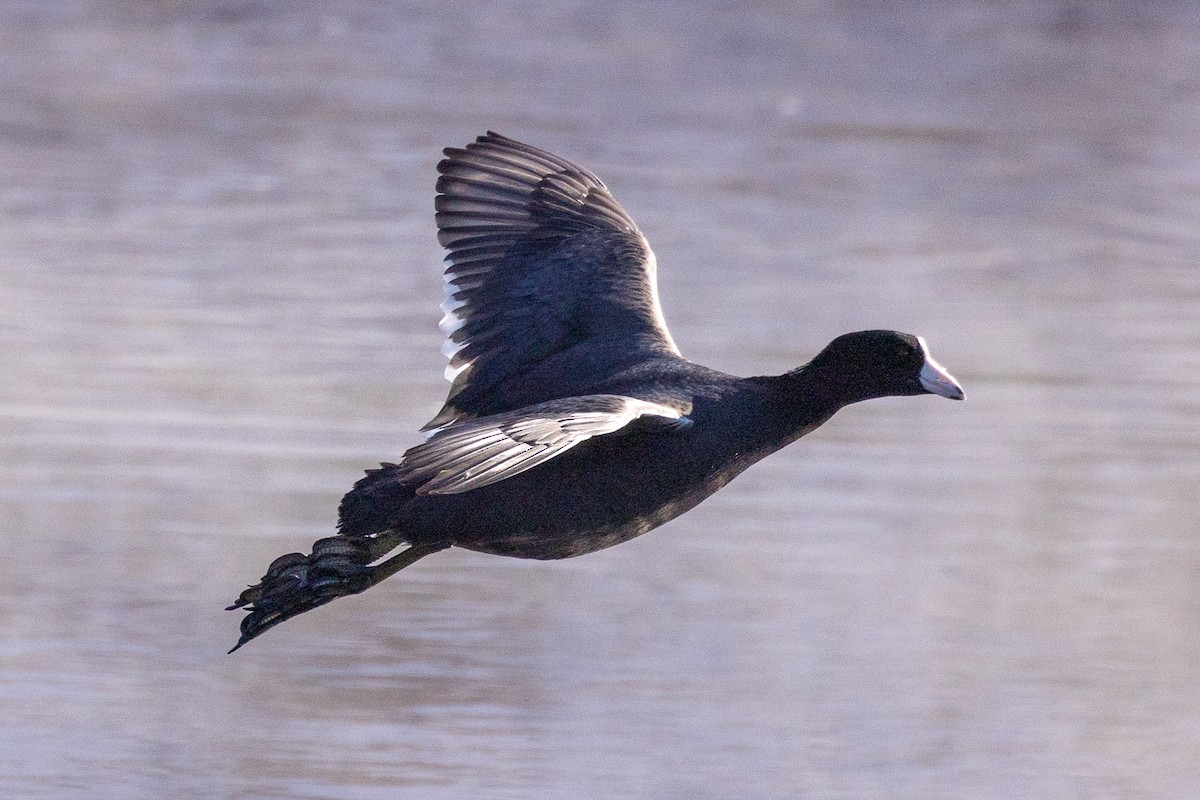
[(484, 451)]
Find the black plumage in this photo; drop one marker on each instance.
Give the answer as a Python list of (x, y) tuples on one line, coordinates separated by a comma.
[(572, 422)]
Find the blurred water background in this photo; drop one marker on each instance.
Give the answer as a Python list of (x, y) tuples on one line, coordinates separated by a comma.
[(218, 303)]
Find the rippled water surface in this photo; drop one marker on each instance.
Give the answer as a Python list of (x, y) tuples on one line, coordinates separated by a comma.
[(218, 303)]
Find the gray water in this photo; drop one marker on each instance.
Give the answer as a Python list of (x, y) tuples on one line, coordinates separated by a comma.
[(218, 304)]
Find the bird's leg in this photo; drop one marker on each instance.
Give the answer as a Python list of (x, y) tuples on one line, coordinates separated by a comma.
[(337, 566), (401, 560)]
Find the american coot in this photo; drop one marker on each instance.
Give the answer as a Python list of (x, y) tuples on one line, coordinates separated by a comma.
[(572, 423)]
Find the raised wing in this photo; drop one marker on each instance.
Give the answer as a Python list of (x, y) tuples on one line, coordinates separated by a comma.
[(547, 277), (472, 454)]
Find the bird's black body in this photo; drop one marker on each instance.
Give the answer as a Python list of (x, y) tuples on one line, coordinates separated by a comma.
[(542, 513), (572, 423)]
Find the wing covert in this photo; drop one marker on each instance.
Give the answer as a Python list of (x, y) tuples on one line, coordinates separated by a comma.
[(483, 451)]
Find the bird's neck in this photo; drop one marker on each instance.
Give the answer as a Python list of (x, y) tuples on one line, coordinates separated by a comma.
[(797, 402)]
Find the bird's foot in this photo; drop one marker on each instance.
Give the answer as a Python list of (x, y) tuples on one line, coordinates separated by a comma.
[(337, 566), (296, 583)]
